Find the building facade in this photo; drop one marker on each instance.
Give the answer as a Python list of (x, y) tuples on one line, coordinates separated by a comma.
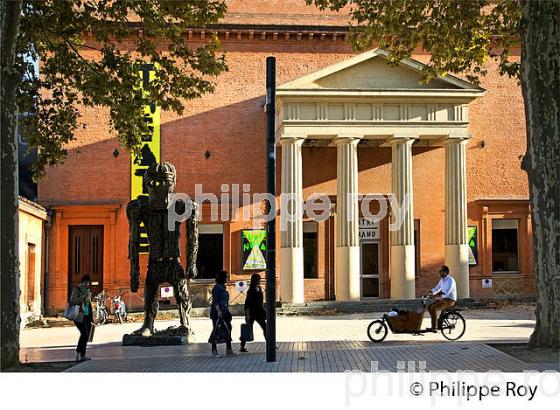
[(443, 158), (32, 220)]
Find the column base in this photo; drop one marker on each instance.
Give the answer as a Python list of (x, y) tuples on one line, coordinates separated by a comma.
[(291, 275), (457, 260), (402, 270), (347, 273)]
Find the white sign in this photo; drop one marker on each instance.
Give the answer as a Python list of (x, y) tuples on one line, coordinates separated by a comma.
[(368, 224), (241, 286), (486, 283), (369, 233), (369, 229), (166, 292)]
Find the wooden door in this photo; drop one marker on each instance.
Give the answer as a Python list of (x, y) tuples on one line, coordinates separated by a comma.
[(30, 288), (86, 255)]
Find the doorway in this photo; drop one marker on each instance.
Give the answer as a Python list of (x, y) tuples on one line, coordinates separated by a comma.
[(85, 252), (370, 267), (210, 258), (29, 297)]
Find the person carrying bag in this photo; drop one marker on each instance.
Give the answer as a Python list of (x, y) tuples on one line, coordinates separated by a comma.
[(254, 311), (220, 315), (80, 311), (220, 333)]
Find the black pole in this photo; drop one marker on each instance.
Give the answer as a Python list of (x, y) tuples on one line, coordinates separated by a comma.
[(271, 223)]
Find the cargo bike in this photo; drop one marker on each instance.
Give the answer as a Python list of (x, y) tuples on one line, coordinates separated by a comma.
[(451, 323)]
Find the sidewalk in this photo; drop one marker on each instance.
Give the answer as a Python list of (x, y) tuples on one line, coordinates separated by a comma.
[(306, 344), (327, 356)]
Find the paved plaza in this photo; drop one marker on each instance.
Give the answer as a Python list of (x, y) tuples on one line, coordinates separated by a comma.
[(305, 344)]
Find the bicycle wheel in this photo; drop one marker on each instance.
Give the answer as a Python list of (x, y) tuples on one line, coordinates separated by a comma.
[(377, 331), (101, 318), (453, 325)]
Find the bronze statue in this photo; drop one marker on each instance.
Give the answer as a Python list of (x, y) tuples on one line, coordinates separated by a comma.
[(164, 264)]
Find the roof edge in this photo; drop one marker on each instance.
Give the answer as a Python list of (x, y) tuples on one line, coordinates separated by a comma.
[(360, 58)]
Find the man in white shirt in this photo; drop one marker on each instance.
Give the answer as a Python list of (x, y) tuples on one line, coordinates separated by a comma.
[(448, 290)]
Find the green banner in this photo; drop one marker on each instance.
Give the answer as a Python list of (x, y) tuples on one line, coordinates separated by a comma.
[(253, 243), (473, 245)]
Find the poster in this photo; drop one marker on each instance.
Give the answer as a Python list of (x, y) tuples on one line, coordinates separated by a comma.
[(253, 249), (150, 151), (472, 240)]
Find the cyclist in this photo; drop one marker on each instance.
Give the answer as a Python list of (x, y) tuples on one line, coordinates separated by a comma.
[(448, 290)]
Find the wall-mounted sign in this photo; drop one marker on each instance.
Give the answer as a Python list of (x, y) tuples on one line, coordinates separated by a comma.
[(486, 283), (253, 249), (241, 286), (369, 229), (166, 292), (150, 151), (472, 240)]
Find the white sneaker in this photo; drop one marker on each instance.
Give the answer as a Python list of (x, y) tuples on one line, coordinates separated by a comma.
[(216, 354)]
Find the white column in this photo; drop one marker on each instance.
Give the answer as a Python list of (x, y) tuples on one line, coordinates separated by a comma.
[(347, 256), (291, 222), (456, 245), (402, 261)]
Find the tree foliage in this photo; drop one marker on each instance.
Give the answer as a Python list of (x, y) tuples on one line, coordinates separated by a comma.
[(460, 35), (89, 53)]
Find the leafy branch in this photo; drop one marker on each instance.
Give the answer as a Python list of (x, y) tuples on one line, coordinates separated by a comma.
[(88, 53)]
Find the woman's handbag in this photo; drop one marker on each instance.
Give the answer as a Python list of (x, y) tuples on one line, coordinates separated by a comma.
[(220, 333), (247, 332), (72, 312)]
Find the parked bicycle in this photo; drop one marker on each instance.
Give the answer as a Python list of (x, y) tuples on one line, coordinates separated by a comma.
[(451, 323), (101, 312), (118, 308)]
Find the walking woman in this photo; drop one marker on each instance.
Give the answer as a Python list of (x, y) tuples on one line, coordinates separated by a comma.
[(254, 309), (81, 296), (220, 310)]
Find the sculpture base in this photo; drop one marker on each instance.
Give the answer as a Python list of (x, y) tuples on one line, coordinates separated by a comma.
[(172, 336)]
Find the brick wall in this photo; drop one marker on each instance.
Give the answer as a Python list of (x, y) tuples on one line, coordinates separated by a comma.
[(229, 124)]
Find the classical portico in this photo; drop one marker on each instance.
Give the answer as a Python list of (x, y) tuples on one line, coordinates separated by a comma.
[(364, 102)]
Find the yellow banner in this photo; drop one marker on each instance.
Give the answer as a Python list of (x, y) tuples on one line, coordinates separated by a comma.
[(150, 151), (150, 145)]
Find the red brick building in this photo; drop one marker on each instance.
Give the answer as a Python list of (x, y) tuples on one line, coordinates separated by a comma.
[(346, 124)]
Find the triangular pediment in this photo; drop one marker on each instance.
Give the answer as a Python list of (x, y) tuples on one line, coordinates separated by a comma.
[(370, 71)]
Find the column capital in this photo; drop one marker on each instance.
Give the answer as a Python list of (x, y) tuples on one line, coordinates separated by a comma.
[(454, 139), (346, 139), (401, 139), (291, 139)]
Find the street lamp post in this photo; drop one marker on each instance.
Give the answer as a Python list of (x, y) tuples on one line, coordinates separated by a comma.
[(271, 223)]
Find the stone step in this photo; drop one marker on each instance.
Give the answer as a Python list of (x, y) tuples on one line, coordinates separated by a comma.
[(326, 307), (379, 305)]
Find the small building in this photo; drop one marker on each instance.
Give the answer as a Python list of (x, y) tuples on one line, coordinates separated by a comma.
[(32, 220)]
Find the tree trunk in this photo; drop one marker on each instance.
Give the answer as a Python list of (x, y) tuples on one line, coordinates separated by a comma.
[(9, 264), (540, 83)]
